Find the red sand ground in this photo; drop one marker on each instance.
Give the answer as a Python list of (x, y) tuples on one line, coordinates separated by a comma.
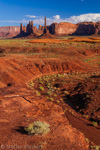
[(75, 39), (20, 106), (46, 41)]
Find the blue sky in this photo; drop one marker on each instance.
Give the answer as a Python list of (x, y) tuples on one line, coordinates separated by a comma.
[(12, 12)]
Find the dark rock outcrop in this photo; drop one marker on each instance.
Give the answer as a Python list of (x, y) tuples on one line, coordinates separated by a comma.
[(86, 28)]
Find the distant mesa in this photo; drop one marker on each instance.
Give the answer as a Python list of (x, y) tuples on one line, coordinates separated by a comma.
[(50, 31), (9, 31)]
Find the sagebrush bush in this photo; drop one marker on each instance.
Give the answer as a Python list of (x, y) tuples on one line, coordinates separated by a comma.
[(49, 92), (37, 128), (31, 84), (38, 93), (41, 88), (94, 123)]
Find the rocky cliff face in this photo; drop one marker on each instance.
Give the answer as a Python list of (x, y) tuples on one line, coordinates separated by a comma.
[(63, 28), (9, 31), (84, 28)]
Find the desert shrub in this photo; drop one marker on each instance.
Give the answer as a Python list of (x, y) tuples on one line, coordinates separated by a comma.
[(86, 139), (31, 84), (37, 128), (49, 92), (65, 110), (94, 123), (66, 92), (50, 99), (41, 88), (58, 89), (40, 81), (55, 88), (48, 85), (47, 97), (95, 147), (55, 95), (86, 116), (58, 101), (61, 99), (38, 93), (59, 75)]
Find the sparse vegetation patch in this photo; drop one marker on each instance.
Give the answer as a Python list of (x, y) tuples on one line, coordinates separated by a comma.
[(38, 127)]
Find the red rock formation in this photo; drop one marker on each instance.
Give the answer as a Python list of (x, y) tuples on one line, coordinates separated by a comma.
[(97, 28), (35, 29), (46, 31), (29, 28), (63, 28), (84, 28), (41, 29), (22, 28), (9, 31)]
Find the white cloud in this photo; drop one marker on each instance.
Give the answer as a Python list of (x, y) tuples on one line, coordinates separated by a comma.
[(13, 21), (56, 17), (31, 16), (95, 17), (39, 21), (85, 17), (73, 19)]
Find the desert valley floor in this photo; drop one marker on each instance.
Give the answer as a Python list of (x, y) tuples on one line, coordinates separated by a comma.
[(52, 80)]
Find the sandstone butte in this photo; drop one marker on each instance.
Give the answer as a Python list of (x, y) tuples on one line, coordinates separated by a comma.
[(63, 28), (9, 31)]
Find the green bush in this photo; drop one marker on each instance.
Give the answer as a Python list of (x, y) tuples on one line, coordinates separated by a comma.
[(50, 99), (95, 147), (58, 101), (47, 97), (65, 110), (37, 128), (55, 95), (66, 92), (41, 88), (86, 139), (31, 84), (38, 93), (94, 123), (49, 92)]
